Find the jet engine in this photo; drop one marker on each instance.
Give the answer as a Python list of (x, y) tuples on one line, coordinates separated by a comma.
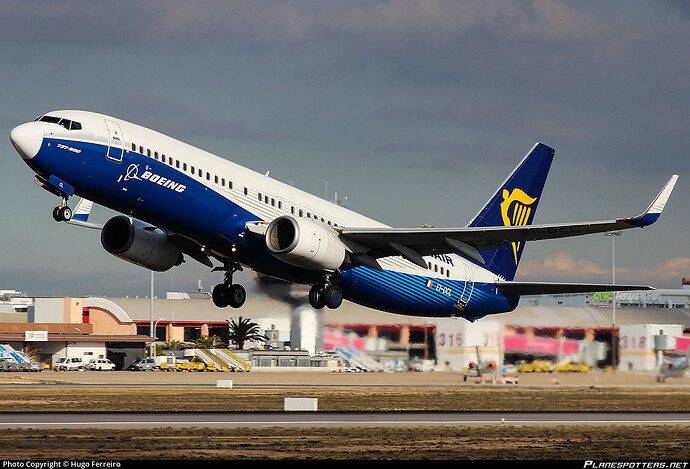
[(305, 244), (139, 243)]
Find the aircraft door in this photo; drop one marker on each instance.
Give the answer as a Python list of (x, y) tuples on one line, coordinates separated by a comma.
[(466, 294), (115, 141)]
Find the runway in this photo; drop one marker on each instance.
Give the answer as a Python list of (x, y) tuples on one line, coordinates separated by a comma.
[(130, 420)]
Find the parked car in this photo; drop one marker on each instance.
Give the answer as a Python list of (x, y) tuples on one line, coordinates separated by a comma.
[(69, 364), (100, 364), (144, 364)]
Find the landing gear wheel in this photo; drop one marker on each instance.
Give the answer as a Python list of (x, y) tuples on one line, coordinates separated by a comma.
[(316, 297), (332, 296), (229, 295), (235, 295), (218, 296), (62, 213)]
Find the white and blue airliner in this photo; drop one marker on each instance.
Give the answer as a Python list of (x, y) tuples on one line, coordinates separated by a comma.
[(178, 201)]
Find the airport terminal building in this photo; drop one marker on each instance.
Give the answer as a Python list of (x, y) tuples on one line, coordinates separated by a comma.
[(555, 328)]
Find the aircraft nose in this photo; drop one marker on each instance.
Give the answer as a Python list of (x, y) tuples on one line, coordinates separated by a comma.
[(27, 139)]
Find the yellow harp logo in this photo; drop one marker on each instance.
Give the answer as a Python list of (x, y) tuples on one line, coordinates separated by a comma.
[(515, 211)]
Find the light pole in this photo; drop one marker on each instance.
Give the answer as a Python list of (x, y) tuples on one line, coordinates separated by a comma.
[(614, 334), (153, 337), (151, 331)]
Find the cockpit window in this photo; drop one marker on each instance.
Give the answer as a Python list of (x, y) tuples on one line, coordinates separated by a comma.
[(50, 119), (66, 123)]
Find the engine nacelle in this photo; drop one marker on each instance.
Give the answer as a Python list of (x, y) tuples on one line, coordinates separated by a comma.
[(140, 244), (305, 244)]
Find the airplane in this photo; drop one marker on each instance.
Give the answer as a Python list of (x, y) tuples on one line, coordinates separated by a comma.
[(176, 201)]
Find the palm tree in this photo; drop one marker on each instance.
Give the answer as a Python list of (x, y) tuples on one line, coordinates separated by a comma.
[(206, 341), (243, 330)]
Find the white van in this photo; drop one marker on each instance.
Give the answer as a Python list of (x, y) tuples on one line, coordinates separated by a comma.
[(69, 364), (101, 364)]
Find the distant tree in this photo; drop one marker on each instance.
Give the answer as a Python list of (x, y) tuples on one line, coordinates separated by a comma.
[(206, 341), (243, 330)]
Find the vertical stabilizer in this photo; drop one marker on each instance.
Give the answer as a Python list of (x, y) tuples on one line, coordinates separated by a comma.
[(515, 204)]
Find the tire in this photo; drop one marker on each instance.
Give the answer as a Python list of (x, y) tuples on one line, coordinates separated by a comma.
[(316, 297), (333, 296), (235, 296), (218, 296)]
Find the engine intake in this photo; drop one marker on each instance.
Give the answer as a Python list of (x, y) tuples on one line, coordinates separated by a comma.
[(141, 244), (305, 244)]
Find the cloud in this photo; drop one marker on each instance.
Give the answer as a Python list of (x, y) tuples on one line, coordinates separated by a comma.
[(563, 267)]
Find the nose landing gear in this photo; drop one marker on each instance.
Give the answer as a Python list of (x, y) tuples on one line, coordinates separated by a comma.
[(62, 212)]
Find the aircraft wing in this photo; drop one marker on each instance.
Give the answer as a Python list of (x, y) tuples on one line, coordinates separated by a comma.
[(81, 215), (369, 244), (549, 288)]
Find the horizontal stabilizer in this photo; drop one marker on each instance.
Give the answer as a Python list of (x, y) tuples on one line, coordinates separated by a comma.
[(547, 288)]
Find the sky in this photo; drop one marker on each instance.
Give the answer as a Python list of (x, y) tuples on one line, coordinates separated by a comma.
[(412, 111)]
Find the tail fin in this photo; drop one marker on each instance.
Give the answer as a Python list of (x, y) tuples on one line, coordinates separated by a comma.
[(514, 204)]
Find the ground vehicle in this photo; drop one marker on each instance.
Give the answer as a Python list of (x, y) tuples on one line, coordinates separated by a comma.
[(69, 364), (101, 364), (144, 364), (7, 365)]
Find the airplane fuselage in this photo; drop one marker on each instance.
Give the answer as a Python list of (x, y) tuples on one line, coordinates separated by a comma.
[(209, 201)]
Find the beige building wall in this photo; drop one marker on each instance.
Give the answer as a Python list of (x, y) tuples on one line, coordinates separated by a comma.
[(104, 323), (72, 310)]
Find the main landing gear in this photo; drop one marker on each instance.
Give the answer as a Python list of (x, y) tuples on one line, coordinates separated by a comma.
[(229, 294), (330, 296)]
